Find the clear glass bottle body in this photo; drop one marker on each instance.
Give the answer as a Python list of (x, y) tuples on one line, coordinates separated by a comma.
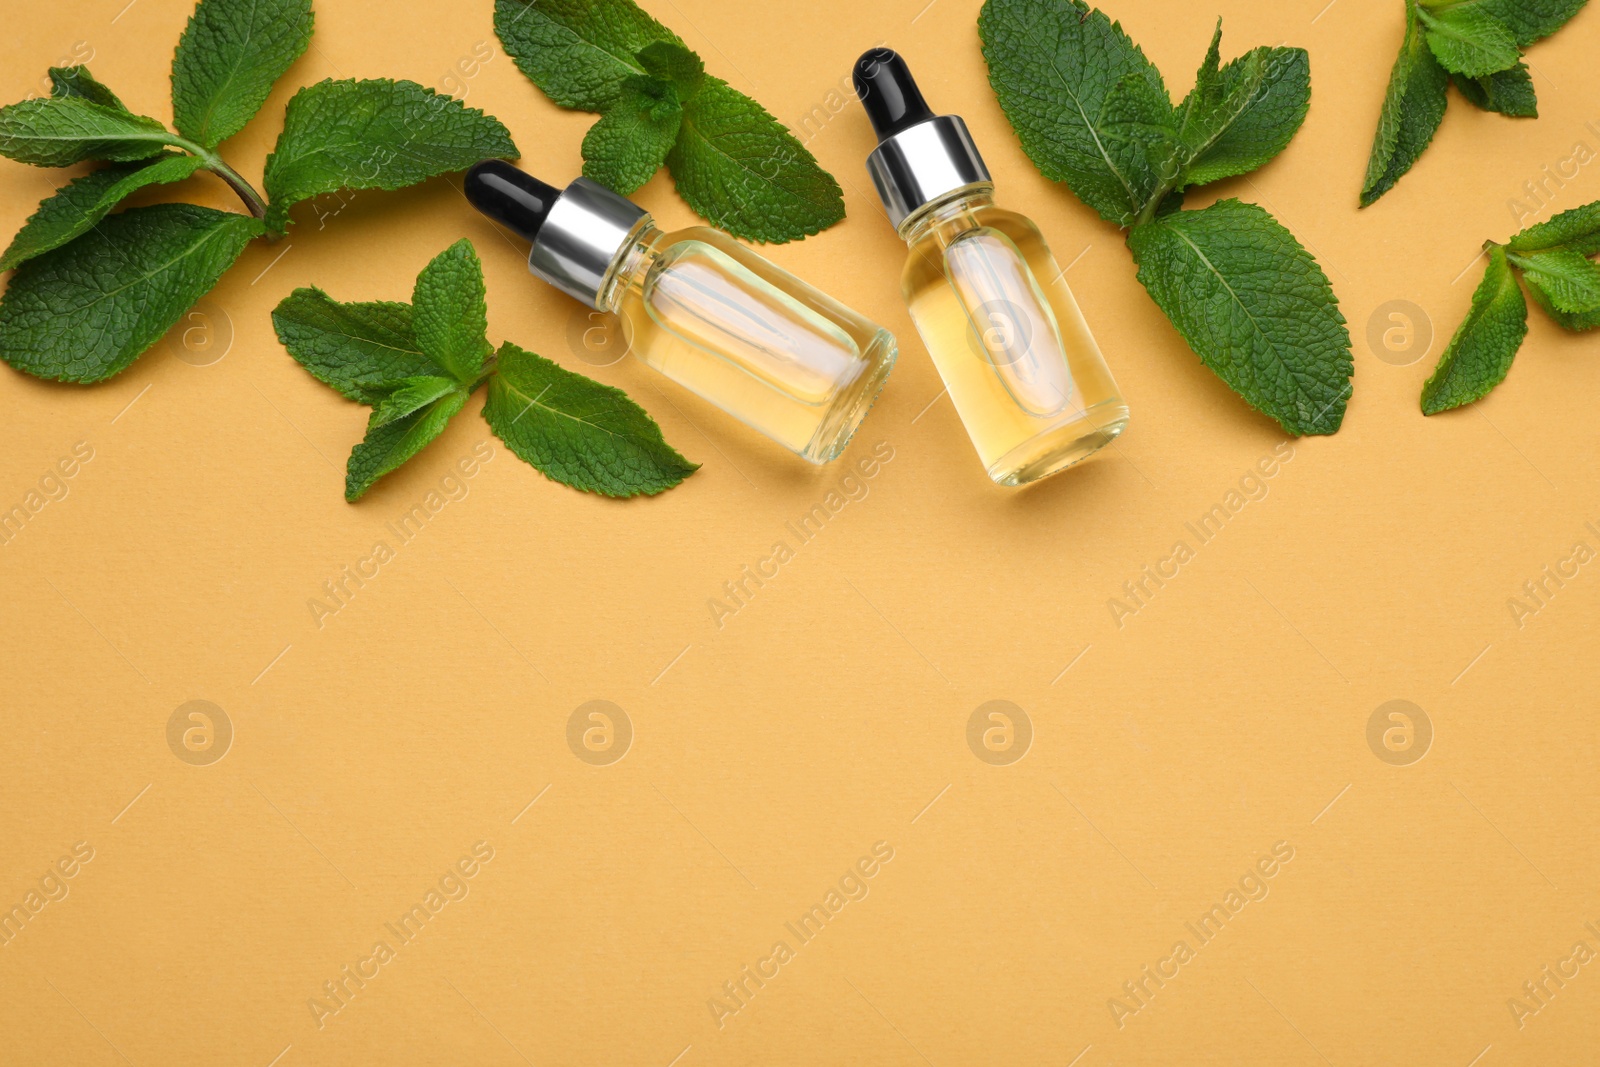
[(1006, 334), (759, 343)]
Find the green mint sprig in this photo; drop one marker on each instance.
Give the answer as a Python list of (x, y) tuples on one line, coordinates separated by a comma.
[(1093, 112), (93, 290), (1553, 260), (1475, 45), (416, 364), (732, 162)]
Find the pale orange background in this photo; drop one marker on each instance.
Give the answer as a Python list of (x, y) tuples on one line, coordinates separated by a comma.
[(831, 711)]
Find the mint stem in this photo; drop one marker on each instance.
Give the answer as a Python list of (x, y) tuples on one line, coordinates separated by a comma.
[(216, 165), (490, 367), (247, 193), (1148, 212)]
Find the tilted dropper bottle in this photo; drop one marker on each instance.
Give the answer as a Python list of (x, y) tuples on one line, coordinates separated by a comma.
[(701, 308), (1024, 372)]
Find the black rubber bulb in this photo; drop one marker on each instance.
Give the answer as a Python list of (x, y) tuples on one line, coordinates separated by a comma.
[(889, 92), (512, 197)]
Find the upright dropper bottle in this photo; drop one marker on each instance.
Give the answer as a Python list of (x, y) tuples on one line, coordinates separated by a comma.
[(701, 308), (987, 296)]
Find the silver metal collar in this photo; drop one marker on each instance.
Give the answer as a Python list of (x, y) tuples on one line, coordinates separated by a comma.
[(586, 228), (922, 163)]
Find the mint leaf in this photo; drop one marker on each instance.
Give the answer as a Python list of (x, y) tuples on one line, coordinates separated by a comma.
[(1052, 65), (78, 82), (1508, 92), (1139, 133), (86, 310), (359, 348), (409, 394), (58, 131), (1577, 229), (577, 431), (1568, 279), (448, 313), (739, 167), (1254, 306), (578, 52), (230, 55), (1553, 257), (1473, 43), (1468, 41), (1480, 353), (1091, 111), (1239, 117), (732, 162), (630, 142), (379, 134), (1413, 107), (391, 444), (673, 63), (1209, 96), (1213, 105), (1530, 20), (85, 201), (1576, 322)]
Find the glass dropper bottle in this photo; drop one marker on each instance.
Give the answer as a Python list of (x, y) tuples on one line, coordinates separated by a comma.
[(701, 308), (986, 294)]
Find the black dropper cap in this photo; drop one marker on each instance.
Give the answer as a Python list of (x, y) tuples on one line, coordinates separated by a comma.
[(510, 196), (921, 156), (889, 92)]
